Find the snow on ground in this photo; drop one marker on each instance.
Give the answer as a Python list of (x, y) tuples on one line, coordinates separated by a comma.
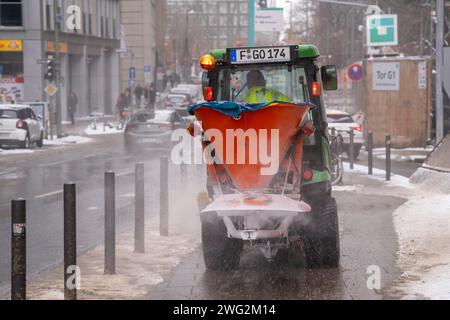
[(7, 152), (102, 130), (66, 140), (380, 175), (399, 157), (422, 225), (135, 273), (407, 154)]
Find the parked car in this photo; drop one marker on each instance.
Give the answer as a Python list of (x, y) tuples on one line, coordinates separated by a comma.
[(189, 93), (178, 102), (153, 129), (19, 126), (195, 89), (343, 122)]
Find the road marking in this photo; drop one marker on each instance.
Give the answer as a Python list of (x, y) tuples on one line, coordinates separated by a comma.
[(48, 194), (6, 172), (53, 164), (95, 155)]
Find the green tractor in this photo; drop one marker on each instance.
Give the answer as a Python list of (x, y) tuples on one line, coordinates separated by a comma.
[(288, 213)]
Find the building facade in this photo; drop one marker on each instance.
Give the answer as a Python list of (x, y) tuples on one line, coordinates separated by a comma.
[(143, 29), (197, 26), (89, 62)]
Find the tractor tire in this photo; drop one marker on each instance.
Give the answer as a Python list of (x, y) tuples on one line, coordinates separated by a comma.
[(219, 251), (321, 238)]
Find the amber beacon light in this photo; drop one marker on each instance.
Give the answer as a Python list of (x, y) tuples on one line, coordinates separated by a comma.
[(207, 62)]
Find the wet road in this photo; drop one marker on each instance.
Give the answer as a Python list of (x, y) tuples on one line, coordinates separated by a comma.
[(367, 238), (367, 233), (39, 178)]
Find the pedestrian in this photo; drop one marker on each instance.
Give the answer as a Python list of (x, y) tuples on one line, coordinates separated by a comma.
[(72, 106), (172, 80), (128, 98), (151, 96), (165, 80), (138, 92), (122, 103)]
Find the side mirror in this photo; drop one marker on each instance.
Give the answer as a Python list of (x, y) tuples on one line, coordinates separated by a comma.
[(329, 78)]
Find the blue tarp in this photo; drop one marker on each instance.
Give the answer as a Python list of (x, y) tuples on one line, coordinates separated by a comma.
[(235, 109)]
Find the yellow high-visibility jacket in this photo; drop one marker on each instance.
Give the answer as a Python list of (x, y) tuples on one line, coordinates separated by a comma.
[(261, 94)]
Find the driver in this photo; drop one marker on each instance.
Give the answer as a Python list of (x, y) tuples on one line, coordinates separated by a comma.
[(257, 91)]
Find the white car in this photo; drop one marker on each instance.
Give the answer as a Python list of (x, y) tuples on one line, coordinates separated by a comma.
[(19, 126), (341, 121), (195, 89), (190, 90)]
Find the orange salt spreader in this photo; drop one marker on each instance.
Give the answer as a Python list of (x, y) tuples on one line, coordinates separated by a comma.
[(274, 129)]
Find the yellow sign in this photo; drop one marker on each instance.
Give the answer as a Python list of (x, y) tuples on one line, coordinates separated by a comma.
[(51, 89), (63, 47), (11, 45)]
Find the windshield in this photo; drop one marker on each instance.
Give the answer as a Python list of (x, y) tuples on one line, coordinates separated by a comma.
[(264, 84), (339, 118), (8, 114)]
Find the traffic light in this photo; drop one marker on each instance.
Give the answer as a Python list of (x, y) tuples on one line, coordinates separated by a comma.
[(50, 73), (262, 4)]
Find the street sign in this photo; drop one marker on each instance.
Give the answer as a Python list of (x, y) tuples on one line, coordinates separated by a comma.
[(355, 72), (51, 90), (132, 73), (147, 68), (382, 30), (269, 20), (422, 75), (386, 76)]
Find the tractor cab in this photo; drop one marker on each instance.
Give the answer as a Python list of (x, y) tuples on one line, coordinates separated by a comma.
[(278, 74)]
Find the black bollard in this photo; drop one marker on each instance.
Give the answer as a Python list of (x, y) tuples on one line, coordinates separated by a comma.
[(164, 197), (139, 220), (388, 158), (370, 151), (352, 149), (18, 250), (110, 223), (70, 242)]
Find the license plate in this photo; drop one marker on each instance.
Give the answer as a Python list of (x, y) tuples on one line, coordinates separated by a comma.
[(260, 55), (3, 134)]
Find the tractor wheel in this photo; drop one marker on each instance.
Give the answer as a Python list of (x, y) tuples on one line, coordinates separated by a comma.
[(321, 239), (219, 251)]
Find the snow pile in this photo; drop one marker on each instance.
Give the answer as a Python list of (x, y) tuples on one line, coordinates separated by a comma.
[(432, 180), (66, 141), (423, 225), (101, 130)]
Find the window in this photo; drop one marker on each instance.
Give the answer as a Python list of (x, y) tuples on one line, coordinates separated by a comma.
[(8, 114), (11, 13), (283, 85)]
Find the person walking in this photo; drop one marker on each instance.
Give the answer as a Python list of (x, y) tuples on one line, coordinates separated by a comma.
[(152, 96), (138, 92), (72, 106)]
